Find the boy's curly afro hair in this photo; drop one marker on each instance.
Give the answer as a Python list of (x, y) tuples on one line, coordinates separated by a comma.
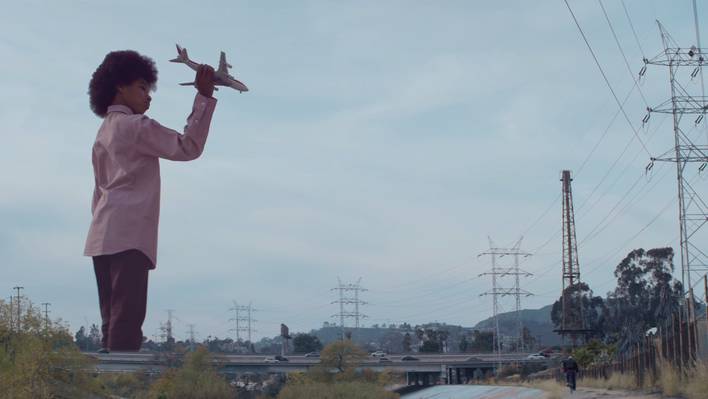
[(117, 69)]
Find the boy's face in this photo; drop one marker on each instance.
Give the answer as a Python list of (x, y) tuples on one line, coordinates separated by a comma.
[(136, 96)]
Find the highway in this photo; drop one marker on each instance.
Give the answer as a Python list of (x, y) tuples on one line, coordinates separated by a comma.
[(157, 362)]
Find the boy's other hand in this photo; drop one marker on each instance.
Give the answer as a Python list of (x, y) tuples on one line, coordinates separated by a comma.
[(204, 81)]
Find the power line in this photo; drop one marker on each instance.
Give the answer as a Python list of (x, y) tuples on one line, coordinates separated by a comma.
[(602, 180), (582, 166), (607, 81), (698, 43), (586, 211), (619, 46), (634, 32)]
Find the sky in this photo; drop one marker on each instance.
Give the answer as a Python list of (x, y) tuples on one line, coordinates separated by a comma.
[(381, 141)]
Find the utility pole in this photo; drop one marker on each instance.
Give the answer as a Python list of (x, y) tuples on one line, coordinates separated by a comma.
[(243, 314), (498, 272), (191, 337), (170, 337), (12, 317), (19, 307), (46, 315), (166, 330), (344, 299)]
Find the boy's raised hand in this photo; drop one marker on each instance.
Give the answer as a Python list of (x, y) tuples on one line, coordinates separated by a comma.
[(204, 81)]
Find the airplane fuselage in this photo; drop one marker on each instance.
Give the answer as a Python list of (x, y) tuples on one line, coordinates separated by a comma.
[(221, 75)]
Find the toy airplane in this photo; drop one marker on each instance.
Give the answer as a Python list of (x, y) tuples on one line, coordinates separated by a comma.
[(221, 75)]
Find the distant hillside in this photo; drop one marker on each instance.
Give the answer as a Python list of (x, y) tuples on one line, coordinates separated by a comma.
[(538, 321)]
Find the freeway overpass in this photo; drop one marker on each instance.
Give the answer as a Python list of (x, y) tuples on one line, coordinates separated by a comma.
[(428, 368)]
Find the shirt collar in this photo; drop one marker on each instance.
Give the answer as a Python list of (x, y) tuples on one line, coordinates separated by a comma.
[(119, 108)]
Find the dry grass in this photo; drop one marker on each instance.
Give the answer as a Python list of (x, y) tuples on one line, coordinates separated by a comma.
[(669, 379), (697, 385), (616, 381)]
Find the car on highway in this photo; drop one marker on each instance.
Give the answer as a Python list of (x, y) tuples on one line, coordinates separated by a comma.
[(536, 356), (312, 354), (378, 354), (409, 358), (281, 358), (384, 359), (270, 360)]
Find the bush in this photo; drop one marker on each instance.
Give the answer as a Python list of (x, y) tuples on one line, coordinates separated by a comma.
[(197, 379), (342, 390), (697, 385), (41, 361)]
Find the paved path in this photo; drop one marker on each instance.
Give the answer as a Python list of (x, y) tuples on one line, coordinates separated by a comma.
[(594, 393), (502, 392), (475, 392)]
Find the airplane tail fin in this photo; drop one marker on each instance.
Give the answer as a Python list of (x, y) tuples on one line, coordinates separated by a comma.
[(181, 55)]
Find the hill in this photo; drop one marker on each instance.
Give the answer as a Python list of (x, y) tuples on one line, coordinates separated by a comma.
[(538, 321)]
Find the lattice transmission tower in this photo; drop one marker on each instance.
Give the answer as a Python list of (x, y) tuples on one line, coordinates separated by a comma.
[(346, 299), (693, 211), (244, 321), (499, 271)]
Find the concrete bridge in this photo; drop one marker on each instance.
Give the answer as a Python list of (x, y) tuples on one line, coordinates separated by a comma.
[(426, 369)]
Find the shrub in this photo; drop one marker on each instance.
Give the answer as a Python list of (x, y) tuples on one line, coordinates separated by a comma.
[(342, 390)]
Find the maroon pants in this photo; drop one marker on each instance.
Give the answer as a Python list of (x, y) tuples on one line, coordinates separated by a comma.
[(122, 295)]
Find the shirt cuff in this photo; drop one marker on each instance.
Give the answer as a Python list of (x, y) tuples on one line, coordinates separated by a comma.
[(204, 100)]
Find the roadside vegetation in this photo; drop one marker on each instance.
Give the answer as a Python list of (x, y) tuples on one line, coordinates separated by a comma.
[(337, 377), (38, 358), (671, 382)]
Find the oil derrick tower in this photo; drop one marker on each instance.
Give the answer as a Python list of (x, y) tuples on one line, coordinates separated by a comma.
[(693, 211), (572, 320)]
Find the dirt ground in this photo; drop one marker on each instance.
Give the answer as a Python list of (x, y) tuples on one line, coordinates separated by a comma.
[(594, 393)]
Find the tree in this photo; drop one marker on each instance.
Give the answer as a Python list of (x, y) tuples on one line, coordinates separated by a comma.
[(304, 343), (464, 344), (81, 339), (196, 379), (646, 295), (483, 341), (39, 362), (94, 337), (442, 336), (391, 342), (341, 355), (407, 343), (585, 310), (528, 340)]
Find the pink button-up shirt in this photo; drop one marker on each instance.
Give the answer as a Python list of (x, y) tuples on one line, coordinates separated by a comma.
[(126, 198)]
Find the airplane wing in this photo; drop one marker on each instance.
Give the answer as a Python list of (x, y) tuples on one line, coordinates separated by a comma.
[(223, 65)]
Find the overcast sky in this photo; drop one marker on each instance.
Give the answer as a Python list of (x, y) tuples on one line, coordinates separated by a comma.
[(380, 140)]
